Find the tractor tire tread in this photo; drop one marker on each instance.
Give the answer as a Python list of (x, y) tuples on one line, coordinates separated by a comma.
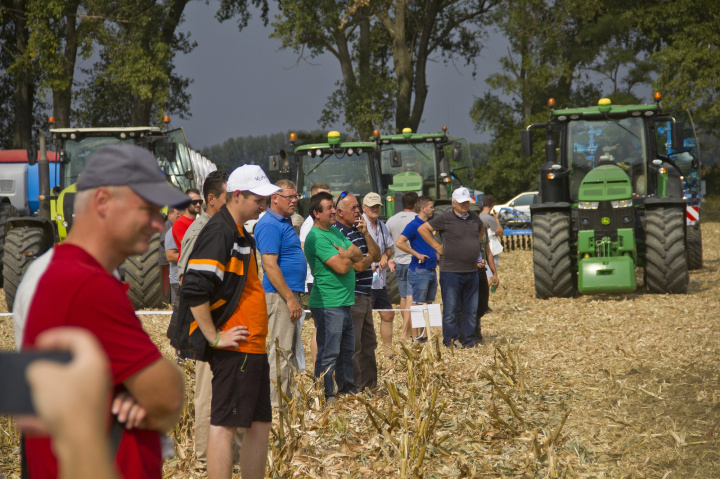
[(143, 275), (666, 265), (552, 265), (22, 246)]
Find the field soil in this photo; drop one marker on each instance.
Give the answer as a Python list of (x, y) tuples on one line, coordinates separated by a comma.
[(617, 386)]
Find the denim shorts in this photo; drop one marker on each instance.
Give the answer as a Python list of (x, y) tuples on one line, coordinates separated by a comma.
[(401, 271), (424, 285)]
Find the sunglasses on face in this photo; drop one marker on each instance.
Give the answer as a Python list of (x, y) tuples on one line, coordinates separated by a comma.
[(197, 202)]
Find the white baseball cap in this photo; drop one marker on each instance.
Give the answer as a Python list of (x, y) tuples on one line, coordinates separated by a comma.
[(461, 195), (251, 178)]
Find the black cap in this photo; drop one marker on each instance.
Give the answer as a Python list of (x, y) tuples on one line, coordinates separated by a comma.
[(132, 166)]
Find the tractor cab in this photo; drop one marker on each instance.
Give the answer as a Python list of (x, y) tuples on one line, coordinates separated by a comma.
[(429, 164), (75, 147), (344, 166)]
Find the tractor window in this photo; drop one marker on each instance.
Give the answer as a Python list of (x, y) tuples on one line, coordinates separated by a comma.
[(340, 171), (77, 154), (618, 142), (416, 157), (462, 170)]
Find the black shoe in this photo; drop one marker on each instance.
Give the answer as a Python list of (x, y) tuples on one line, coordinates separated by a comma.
[(421, 339)]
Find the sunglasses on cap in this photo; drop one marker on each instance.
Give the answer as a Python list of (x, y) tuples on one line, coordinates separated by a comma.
[(340, 197)]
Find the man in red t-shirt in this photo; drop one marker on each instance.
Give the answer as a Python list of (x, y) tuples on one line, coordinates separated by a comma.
[(117, 211), (181, 225)]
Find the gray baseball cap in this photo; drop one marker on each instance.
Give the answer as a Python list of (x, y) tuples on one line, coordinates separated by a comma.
[(135, 167)]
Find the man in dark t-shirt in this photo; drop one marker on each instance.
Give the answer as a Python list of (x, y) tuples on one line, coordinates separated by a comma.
[(459, 256)]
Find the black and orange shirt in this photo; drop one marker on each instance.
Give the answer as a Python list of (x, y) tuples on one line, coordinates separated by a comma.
[(222, 271), (251, 311)]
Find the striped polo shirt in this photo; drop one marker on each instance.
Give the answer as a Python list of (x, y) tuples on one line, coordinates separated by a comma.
[(363, 280)]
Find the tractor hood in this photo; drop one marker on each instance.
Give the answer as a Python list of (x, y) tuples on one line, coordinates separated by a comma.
[(605, 183)]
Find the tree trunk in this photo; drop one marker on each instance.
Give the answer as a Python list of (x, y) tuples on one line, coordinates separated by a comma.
[(62, 96), (364, 127), (421, 88), (23, 97), (403, 62), (24, 94), (141, 110)]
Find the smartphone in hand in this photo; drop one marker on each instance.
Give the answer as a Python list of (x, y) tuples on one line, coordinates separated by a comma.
[(15, 396)]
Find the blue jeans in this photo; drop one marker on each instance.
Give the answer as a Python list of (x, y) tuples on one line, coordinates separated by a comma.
[(401, 271), (335, 349), (460, 301)]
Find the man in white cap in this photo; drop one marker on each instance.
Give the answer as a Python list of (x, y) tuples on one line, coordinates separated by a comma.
[(228, 323), (459, 256), (116, 212)]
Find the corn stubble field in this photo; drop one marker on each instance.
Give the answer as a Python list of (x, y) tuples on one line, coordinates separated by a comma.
[(595, 386)]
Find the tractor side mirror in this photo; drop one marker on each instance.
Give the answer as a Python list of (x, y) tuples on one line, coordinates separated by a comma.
[(279, 162), (170, 150), (677, 135), (526, 142), (457, 152), (395, 158), (32, 153), (274, 163)]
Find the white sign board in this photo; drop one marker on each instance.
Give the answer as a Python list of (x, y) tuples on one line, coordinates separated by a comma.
[(417, 315)]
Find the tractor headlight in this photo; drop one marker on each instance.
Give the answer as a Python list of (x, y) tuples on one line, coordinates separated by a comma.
[(588, 205), (621, 203)]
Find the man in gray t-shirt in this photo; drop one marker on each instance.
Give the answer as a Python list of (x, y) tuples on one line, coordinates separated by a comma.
[(459, 256), (395, 225)]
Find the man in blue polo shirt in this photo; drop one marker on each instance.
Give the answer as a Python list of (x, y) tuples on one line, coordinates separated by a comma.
[(422, 276), (284, 279)]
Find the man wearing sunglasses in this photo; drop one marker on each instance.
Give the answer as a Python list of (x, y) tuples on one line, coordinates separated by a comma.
[(182, 224), (351, 224)]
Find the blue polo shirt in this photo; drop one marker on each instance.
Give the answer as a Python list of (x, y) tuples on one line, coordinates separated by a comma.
[(420, 245), (274, 234)]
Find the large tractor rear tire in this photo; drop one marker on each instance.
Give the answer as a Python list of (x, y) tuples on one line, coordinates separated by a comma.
[(143, 275), (693, 243), (551, 255), (666, 266), (7, 210), (22, 246)]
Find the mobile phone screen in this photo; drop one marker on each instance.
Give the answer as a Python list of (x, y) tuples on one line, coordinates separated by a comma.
[(15, 395)]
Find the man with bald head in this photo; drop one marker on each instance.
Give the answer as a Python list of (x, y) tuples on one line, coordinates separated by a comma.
[(351, 224)]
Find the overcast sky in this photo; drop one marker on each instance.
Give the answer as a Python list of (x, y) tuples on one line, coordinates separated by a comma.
[(245, 85)]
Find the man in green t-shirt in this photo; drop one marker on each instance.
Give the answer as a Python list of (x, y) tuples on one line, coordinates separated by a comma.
[(331, 257)]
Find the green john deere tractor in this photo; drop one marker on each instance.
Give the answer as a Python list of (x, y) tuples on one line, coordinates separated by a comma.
[(612, 201), (30, 236)]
